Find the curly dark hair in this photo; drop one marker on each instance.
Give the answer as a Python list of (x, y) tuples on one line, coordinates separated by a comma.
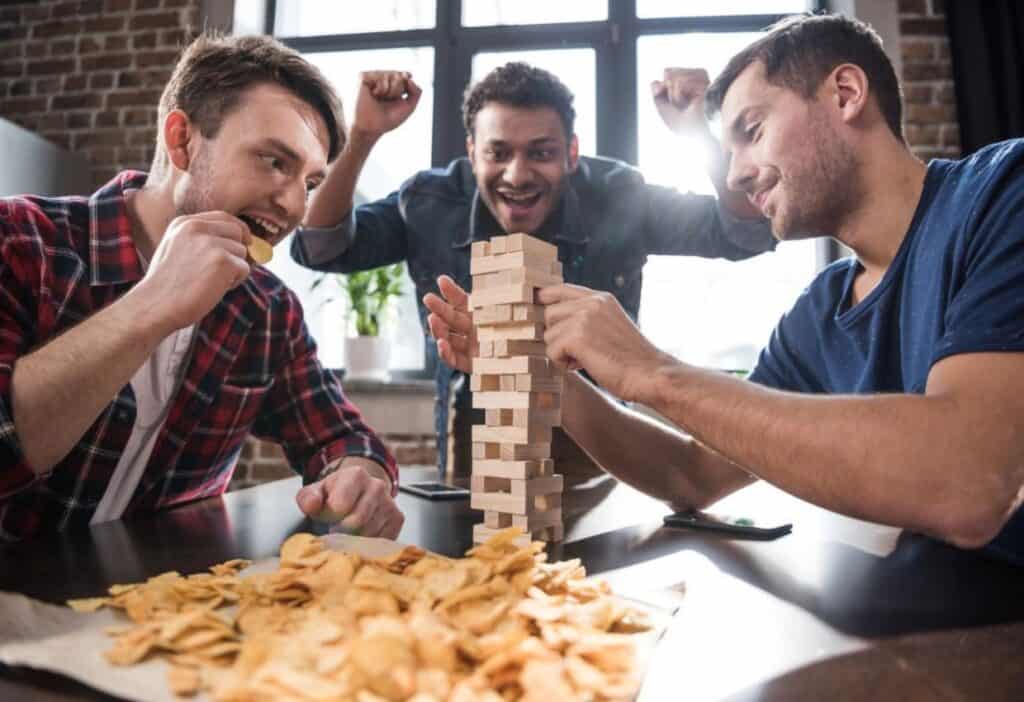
[(800, 51), (520, 85)]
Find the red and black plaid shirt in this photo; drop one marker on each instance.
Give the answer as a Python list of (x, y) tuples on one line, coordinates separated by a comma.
[(253, 368)]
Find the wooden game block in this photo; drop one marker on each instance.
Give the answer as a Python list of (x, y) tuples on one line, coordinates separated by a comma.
[(530, 331), (516, 276), (507, 383), (508, 261), (485, 383), (531, 523), (519, 292), (531, 245), (488, 484), (500, 418), (485, 452), (493, 314), (504, 348), (516, 400), (498, 245), (534, 434), (531, 487), (551, 417), (518, 470), (526, 451), (516, 504), (487, 349), (497, 520), (479, 249), (515, 365), (527, 312), (534, 383), (481, 532)]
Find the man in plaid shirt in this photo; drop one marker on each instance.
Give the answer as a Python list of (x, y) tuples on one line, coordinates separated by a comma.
[(138, 344)]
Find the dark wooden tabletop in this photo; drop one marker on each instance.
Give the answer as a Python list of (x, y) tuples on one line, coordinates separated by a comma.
[(837, 610)]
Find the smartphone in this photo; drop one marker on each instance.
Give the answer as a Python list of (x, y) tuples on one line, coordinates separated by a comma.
[(435, 491), (738, 528)]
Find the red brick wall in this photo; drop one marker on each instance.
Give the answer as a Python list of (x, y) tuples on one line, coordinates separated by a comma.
[(929, 117), (87, 74)]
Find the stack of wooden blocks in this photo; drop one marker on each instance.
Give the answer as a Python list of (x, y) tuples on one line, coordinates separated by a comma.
[(518, 388)]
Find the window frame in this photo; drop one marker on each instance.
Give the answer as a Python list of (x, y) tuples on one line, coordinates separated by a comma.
[(614, 42)]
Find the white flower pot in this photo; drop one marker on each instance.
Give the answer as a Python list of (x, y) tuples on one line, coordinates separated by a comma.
[(366, 358)]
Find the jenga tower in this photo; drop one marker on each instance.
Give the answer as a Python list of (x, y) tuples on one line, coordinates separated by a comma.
[(513, 381)]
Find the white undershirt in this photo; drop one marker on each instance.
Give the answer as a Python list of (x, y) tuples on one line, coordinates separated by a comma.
[(154, 385)]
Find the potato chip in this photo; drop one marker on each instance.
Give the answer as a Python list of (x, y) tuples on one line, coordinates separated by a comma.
[(260, 250)]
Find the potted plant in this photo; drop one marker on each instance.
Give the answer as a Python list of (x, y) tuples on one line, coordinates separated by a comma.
[(369, 296)]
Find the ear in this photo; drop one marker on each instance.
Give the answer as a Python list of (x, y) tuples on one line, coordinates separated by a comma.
[(469, 151), (574, 153), (849, 87), (177, 138)]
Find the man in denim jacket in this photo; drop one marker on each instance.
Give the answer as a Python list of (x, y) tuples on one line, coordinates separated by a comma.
[(523, 173)]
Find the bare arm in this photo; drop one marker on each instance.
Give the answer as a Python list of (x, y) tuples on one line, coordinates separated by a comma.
[(59, 389), (385, 101), (679, 99), (948, 463)]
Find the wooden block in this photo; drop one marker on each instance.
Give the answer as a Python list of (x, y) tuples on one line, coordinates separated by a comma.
[(531, 331), (479, 249), (497, 520), (514, 504), (487, 349), (516, 276), (512, 469), (488, 484), (486, 452), (514, 365), (499, 245), (532, 245), (514, 435), (516, 400), (499, 418), (525, 451), (479, 382), (481, 532), (527, 312), (508, 261), (534, 383), (525, 417), (504, 348), (507, 383), (532, 523), (531, 487), (494, 314), (519, 292), (556, 269)]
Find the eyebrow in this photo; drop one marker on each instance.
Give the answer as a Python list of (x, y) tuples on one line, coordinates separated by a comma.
[(291, 154), (738, 125)]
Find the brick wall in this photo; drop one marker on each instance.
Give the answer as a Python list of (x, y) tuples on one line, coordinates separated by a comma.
[(929, 115), (87, 74)]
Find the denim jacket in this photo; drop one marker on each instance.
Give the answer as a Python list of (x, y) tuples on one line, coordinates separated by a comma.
[(607, 223)]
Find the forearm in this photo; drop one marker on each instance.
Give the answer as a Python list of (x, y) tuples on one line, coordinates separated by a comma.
[(677, 469), (60, 389), (335, 196), (894, 459)]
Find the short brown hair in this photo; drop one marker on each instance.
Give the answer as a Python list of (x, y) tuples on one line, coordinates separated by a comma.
[(800, 51), (520, 85), (214, 71)]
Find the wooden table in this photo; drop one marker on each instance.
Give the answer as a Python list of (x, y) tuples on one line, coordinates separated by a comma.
[(838, 610)]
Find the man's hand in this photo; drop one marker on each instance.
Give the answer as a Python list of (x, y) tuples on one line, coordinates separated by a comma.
[(451, 324), (385, 101), (590, 330), (199, 259), (679, 97), (357, 497)]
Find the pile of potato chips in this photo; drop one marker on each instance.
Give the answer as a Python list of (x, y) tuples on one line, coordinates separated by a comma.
[(500, 624)]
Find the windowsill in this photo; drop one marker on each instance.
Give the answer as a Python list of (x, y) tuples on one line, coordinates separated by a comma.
[(395, 386)]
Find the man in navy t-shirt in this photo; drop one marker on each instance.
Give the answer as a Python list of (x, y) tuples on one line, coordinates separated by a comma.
[(893, 391)]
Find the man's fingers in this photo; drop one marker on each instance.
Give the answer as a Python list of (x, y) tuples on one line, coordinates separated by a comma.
[(310, 499), (459, 361), (453, 293), (559, 293), (459, 320)]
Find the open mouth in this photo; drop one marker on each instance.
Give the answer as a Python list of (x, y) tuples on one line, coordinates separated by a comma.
[(519, 203), (263, 228)]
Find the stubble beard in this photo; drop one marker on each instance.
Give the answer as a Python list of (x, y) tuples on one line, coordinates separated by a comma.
[(198, 196)]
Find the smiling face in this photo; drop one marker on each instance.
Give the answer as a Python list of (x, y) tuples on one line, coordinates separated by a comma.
[(787, 156), (268, 153), (522, 161)]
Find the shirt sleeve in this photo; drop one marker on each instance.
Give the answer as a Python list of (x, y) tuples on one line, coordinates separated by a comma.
[(370, 236), (16, 332), (687, 224), (308, 414), (784, 363), (986, 309)]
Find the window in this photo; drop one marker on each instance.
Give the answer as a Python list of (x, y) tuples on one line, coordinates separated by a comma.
[(607, 53)]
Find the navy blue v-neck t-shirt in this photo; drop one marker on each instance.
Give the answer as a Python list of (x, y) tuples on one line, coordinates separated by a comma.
[(956, 286)]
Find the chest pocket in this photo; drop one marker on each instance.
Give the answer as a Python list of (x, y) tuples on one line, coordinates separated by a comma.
[(230, 417)]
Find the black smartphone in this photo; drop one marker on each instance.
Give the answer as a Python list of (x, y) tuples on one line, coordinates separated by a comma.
[(740, 528), (435, 491)]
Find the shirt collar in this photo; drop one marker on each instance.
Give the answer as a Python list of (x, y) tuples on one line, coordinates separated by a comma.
[(567, 214), (113, 257)]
